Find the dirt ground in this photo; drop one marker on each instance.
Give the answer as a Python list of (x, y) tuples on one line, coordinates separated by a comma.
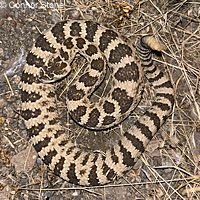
[(169, 168)]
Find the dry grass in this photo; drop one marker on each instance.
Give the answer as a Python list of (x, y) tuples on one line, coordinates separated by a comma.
[(169, 169)]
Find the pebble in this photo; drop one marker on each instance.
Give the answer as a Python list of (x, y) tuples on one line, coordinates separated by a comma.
[(75, 14), (3, 102), (1, 52)]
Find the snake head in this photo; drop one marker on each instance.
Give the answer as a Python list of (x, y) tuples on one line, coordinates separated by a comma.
[(54, 70)]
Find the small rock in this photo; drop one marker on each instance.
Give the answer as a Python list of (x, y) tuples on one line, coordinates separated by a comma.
[(1, 52), (3, 102), (5, 193), (25, 160), (75, 14), (9, 18), (94, 9)]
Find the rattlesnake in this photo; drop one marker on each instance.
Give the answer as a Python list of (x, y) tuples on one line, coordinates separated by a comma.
[(49, 60)]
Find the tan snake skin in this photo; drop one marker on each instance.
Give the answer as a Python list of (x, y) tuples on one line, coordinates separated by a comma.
[(50, 60)]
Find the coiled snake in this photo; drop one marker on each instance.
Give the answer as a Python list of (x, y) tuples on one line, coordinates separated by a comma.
[(49, 60)]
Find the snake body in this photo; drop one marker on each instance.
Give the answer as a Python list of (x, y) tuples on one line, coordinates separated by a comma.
[(50, 60)]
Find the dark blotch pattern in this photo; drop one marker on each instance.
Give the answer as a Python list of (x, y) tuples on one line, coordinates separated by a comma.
[(51, 109), (120, 51), (58, 32), (170, 97), (44, 103), (106, 38), (154, 118), (114, 157), (152, 70), (75, 29), (148, 61), (64, 54), (34, 60), (68, 43), (44, 44), (71, 174), (108, 120), (78, 113), (51, 95), (93, 118), (128, 73), (93, 175), (95, 158), (91, 29), (75, 94), (91, 50), (127, 158), (167, 84), (108, 172), (70, 150), (42, 144), (55, 66), (30, 96), (85, 160), (159, 76), (47, 158), (77, 154), (162, 106), (58, 132), (123, 99), (88, 80), (53, 121), (111, 174), (108, 107), (61, 68), (98, 64), (35, 130), (63, 142), (80, 42), (28, 114), (82, 172), (29, 78), (144, 129), (135, 141), (59, 166)]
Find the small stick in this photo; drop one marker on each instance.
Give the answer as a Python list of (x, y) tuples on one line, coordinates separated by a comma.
[(9, 83)]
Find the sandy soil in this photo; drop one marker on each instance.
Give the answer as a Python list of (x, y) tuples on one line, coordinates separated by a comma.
[(169, 168)]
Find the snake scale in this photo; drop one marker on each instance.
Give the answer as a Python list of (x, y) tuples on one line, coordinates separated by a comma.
[(50, 60)]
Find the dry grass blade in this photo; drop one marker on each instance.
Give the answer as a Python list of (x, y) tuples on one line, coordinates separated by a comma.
[(170, 167)]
